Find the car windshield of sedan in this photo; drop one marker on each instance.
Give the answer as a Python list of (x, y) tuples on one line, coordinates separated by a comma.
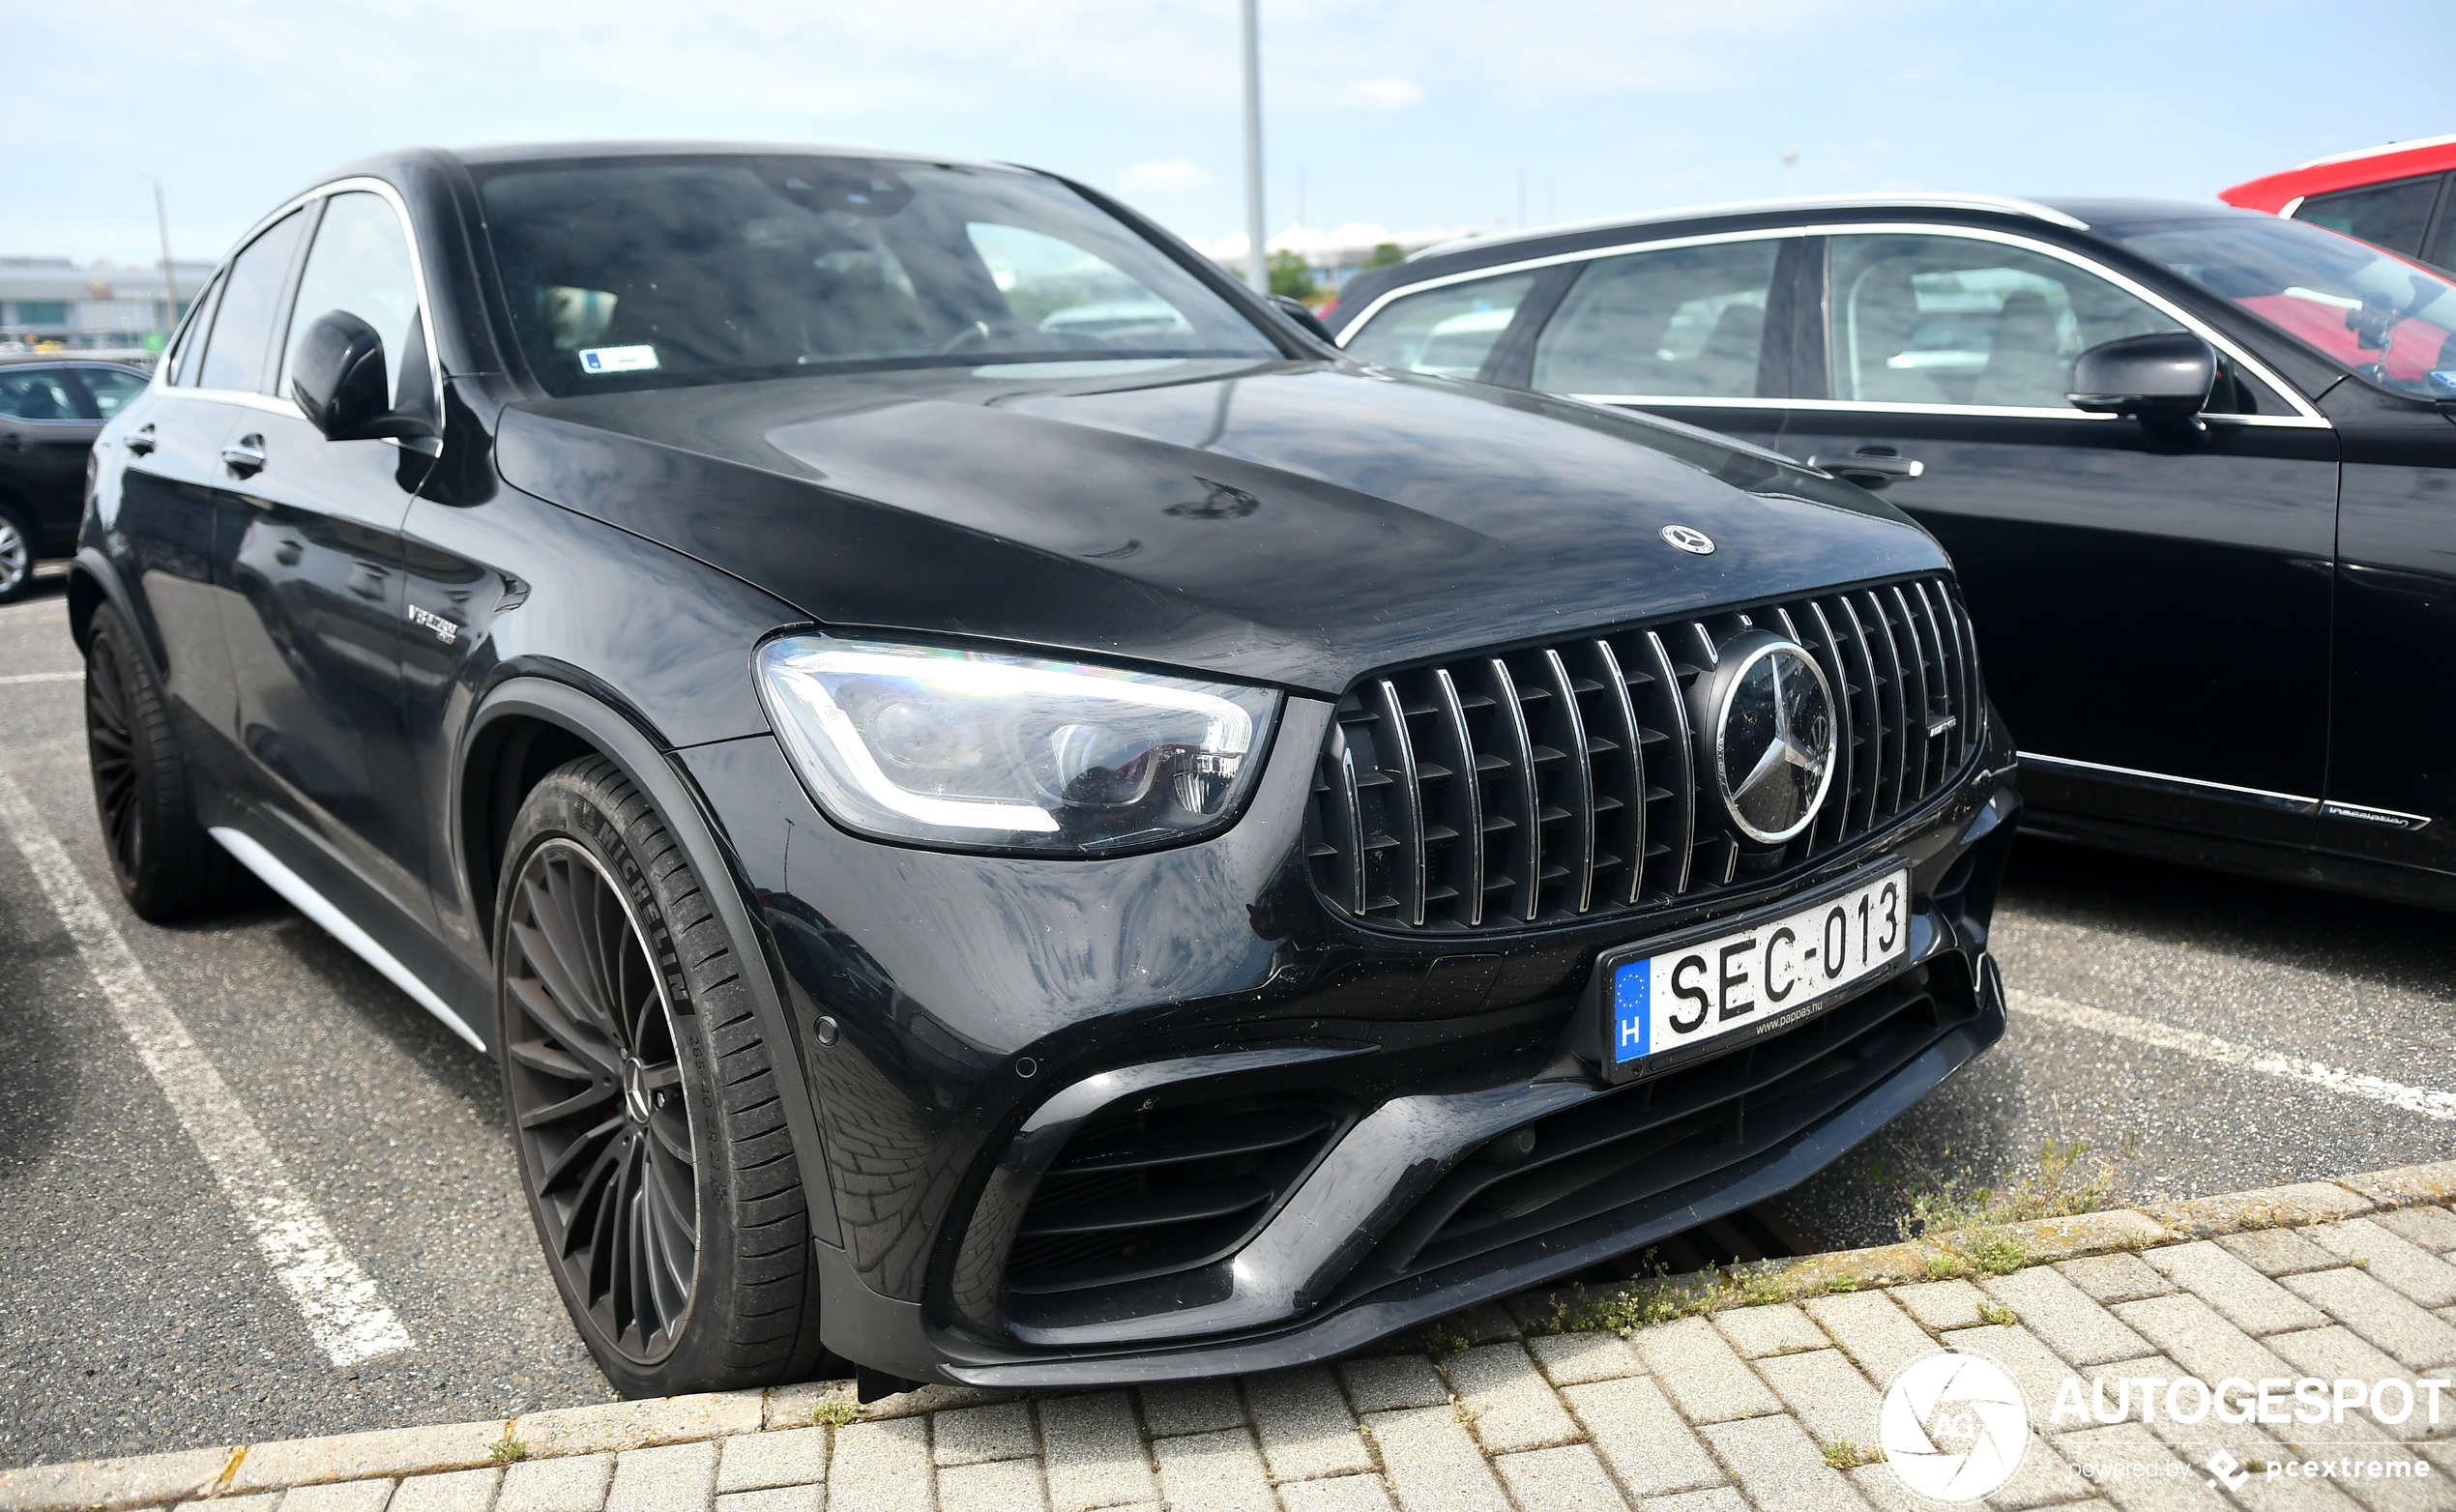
[(634, 273), (2389, 320)]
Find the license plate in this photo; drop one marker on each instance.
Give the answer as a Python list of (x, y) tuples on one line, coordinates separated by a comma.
[(1659, 1005)]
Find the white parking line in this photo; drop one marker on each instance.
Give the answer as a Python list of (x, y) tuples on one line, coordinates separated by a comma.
[(344, 1314), (43, 677), (2225, 1052)]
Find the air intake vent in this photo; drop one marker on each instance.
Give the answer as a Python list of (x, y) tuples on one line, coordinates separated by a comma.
[(1152, 1191), (1568, 781)]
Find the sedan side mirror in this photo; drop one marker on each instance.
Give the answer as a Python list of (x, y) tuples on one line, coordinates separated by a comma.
[(339, 381), (2165, 376)]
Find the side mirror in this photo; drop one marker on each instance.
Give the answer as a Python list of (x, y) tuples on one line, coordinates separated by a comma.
[(2165, 376), (1295, 311), (339, 381)]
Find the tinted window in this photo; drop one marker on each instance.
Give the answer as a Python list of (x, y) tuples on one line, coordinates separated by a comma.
[(2382, 317), (360, 264), (1449, 331), (1687, 321), (110, 387), (1945, 320), (179, 365), (237, 355), (704, 270), (2394, 215), (35, 393)]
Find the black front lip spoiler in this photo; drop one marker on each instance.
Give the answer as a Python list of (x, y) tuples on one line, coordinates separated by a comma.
[(1423, 1299)]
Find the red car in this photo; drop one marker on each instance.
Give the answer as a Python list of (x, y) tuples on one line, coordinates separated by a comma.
[(2395, 196)]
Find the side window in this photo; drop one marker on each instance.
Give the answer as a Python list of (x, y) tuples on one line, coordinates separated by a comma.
[(1448, 332), (110, 387), (239, 354), (360, 264), (2439, 252), (179, 364), (2394, 215), (35, 393), (1946, 320), (1687, 321)]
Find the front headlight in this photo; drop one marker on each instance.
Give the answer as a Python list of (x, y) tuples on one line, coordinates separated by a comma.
[(969, 749)]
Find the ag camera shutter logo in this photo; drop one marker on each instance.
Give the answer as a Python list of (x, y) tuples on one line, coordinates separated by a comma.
[(1954, 1426)]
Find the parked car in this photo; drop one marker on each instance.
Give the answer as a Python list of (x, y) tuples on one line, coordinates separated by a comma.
[(2193, 464), (1022, 851), (51, 409), (2394, 197)]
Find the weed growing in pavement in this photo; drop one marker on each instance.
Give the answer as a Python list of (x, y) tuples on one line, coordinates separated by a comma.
[(507, 1450), (1843, 1285), (2071, 1179), (1844, 1455), (1998, 1314), (1443, 1342), (1947, 1266), (836, 1412)]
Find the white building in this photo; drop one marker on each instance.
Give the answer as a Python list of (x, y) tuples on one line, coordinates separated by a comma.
[(51, 303)]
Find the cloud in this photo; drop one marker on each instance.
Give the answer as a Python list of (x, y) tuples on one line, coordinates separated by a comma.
[(1389, 94), (1175, 176)]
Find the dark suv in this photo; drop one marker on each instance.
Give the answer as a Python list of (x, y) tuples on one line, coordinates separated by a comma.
[(2195, 466), (52, 408), (1009, 812)]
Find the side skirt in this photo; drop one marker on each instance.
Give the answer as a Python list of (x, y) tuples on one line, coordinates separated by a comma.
[(340, 926)]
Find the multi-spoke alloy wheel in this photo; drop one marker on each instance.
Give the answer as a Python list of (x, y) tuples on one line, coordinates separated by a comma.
[(646, 1089), (17, 557), (597, 1093), (110, 749), (165, 862)]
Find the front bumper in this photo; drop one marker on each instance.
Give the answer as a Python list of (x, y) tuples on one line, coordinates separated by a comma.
[(989, 1017)]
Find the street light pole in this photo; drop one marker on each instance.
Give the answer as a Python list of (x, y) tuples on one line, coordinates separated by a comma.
[(1257, 260), (170, 280)]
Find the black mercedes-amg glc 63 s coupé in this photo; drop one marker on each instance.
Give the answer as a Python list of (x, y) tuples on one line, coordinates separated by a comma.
[(1010, 813)]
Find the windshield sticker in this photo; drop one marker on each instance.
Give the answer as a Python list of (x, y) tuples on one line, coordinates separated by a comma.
[(618, 358)]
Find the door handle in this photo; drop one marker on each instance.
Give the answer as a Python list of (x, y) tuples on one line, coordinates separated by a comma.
[(141, 440), (245, 456), (1864, 463)]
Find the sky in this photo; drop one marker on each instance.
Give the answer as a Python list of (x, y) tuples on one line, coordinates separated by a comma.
[(1402, 113)]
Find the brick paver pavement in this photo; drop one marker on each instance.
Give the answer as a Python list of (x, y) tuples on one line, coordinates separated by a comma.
[(1760, 1405)]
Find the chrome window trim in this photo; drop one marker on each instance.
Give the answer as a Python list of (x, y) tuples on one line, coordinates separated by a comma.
[(2305, 418), (1556, 259), (2191, 787), (2027, 210), (273, 403)]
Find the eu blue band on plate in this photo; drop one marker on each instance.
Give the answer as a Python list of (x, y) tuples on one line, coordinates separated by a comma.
[(1633, 982)]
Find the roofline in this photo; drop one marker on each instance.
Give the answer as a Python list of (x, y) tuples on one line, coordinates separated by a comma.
[(488, 154), (2381, 149), (2027, 209)]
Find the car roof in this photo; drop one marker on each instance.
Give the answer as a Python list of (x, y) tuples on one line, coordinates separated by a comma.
[(66, 360), (2382, 164), (492, 153)]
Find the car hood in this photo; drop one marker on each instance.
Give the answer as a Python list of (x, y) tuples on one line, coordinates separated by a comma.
[(1294, 523)]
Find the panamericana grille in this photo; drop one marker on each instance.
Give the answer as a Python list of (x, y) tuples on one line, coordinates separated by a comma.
[(1568, 781)]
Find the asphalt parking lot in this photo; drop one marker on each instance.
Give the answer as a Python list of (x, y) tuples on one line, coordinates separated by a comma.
[(2227, 1034)]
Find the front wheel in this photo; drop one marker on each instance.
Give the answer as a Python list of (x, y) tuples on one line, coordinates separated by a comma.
[(644, 1100), (17, 537)]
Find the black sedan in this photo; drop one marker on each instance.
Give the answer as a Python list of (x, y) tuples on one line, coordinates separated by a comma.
[(2195, 466), (1009, 813), (52, 408)]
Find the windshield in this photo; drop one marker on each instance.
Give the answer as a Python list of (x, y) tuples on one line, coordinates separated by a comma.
[(2389, 320), (637, 273)]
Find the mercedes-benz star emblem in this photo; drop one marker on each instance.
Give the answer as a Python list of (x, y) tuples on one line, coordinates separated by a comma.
[(1696, 542), (1773, 742)]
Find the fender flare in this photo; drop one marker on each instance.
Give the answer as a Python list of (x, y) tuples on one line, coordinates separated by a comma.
[(651, 766)]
